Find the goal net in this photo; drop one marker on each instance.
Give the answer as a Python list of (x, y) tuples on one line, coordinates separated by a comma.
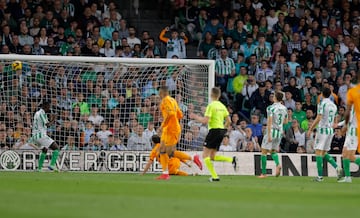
[(100, 103)]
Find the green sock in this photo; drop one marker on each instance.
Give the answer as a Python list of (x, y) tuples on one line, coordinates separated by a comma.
[(55, 155), (275, 157), (223, 158), (331, 160), (357, 161), (210, 167), (41, 160), (346, 163), (319, 165), (263, 164)]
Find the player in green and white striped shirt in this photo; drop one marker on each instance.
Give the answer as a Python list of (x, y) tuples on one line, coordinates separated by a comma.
[(350, 145), (40, 137), (326, 117), (276, 118)]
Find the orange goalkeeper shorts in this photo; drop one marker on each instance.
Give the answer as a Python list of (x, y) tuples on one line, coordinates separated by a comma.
[(170, 138)]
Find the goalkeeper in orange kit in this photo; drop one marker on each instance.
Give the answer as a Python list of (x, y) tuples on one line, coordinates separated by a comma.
[(174, 162), (171, 131)]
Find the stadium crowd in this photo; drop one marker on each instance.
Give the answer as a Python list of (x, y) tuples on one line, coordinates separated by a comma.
[(259, 47)]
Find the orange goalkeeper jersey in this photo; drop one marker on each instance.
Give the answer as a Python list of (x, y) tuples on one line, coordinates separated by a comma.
[(353, 97), (171, 114)]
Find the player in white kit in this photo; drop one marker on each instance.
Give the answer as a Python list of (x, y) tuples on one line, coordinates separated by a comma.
[(276, 118), (326, 116), (350, 146), (40, 137)]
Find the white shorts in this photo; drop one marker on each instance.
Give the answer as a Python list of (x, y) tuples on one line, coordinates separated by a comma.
[(351, 142), (45, 141), (323, 141), (273, 145)]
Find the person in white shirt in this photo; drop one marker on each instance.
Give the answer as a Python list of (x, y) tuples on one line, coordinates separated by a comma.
[(345, 87), (137, 141), (149, 131), (132, 39), (225, 145), (94, 117), (104, 133), (272, 19), (107, 51)]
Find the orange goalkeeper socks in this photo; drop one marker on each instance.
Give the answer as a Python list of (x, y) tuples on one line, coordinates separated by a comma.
[(182, 173), (164, 161), (182, 156)]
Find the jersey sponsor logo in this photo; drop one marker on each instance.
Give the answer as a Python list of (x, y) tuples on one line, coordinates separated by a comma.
[(10, 160)]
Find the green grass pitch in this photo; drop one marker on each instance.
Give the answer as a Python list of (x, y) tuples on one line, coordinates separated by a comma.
[(64, 195)]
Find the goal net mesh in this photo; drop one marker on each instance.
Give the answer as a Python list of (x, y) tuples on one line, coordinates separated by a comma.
[(100, 106)]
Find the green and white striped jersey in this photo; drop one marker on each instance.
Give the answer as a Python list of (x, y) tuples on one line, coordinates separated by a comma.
[(278, 112), (328, 110), (224, 67), (352, 128), (39, 128)]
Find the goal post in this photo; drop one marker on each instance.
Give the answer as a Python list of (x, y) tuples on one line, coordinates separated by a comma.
[(101, 103)]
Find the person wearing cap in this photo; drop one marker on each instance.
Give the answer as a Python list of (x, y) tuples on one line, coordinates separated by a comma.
[(175, 45)]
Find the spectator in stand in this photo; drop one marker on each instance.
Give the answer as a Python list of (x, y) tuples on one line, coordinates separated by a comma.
[(36, 47), (213, 26), (260, 99), (224, 69), (51, 48), (289, 101), (214, 53), (106, 30), (256, 127), (337, 142), (132, 39), (123, 31), (138, 141), (264, 73), (309, 119), (94, 117), (298, 113), (175, 46), (24, 37), (294, 138), (225, 145), (261, 51), (107, 51), (206, 45)]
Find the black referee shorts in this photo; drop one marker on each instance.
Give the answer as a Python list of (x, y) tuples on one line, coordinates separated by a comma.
[(214, 138)]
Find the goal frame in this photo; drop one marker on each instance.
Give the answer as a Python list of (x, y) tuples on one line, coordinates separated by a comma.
[(81, 59)]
